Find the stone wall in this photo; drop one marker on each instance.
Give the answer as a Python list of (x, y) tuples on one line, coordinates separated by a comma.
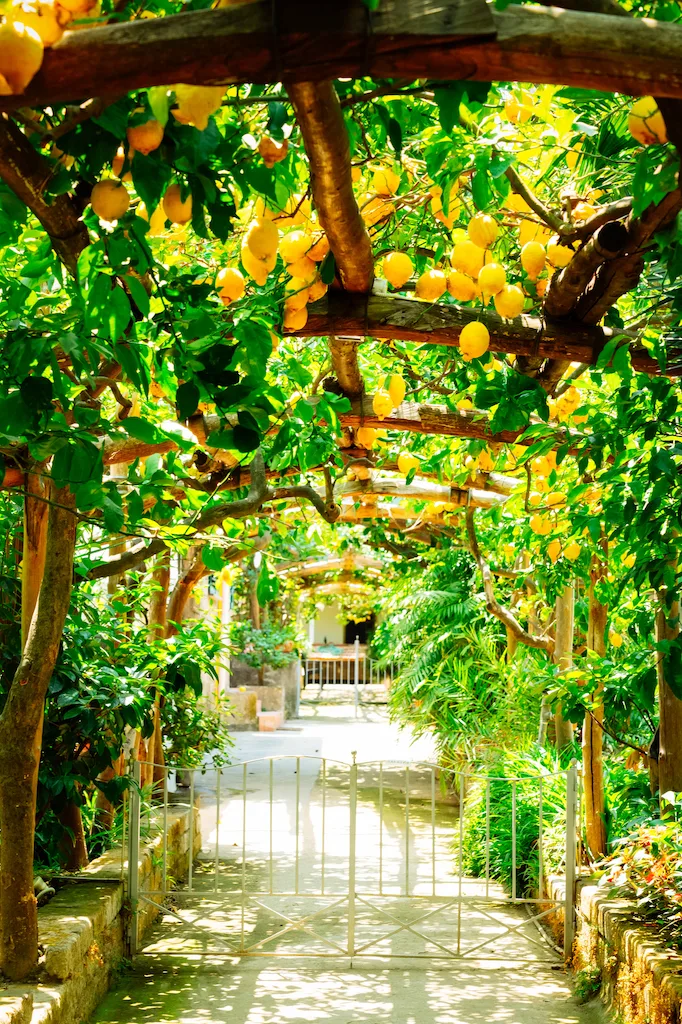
[(281, 689), (82, 930)]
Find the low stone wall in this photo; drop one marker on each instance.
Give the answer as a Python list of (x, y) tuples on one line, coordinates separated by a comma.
[(641, 979), (243, 713), (82, 929)]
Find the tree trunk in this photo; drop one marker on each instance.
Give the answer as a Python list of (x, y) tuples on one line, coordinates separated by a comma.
[(670, 707), (33, 558), (563, 657), (512, 644), (194, 571), (593, 734), (157, 627), (73, 849), (21, 725)]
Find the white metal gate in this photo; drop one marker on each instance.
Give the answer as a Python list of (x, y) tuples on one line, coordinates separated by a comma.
[(351, 860)]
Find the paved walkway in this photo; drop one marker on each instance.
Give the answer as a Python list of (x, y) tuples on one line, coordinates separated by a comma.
[(186, 974)]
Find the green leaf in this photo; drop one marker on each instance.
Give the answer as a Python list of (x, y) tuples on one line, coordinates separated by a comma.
[(159, 102), (141, 430), (395, 134), (187, 399), (267, 587), (37, 392), (480, 190), (222, 439), (449, 99), (245, 440), (328, 269), (213, 558), (138, 294)]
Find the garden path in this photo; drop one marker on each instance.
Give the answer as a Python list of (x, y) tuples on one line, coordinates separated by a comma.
[(188, 986)]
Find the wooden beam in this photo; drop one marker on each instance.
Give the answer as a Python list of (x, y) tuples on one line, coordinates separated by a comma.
[(418, 490), (398, 319), (409, 39), (346, 562)]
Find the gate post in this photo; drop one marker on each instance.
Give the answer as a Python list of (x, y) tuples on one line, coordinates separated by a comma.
[(569, 910), (134, 808), (353, 804), (356, 695)]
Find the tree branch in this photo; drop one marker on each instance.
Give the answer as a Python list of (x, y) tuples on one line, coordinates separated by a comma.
[(494, 607)]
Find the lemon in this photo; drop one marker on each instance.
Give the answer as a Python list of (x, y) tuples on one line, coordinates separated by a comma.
[(316, 290), (157, 222), (431, 285), (294, 245), (535, 498), (482, 230), (230, 284), (645, 122), (555, 498), (541, 465), (366, 437), (540, 525), (509, 302), (109, 199), (465, 405), (396, 389), (255, 268), (517, 203), (398, 269), (297, 210), (474, 340), (491, 279), (196, 103), (485, 462), (297, 293), (572, 551), (554, 549), (533, 256), (629, 561), (145, 137), (468, 258), (382, 404), (615, 639), (21, 54), (559, 255), (407, 462), (294, 319), (530, 231), (461, 287), (519, 108), (385, 181), (177, 210), (319, 249), (262, 237), (374, 209), (44, 16), (303, 267), (582, 211)]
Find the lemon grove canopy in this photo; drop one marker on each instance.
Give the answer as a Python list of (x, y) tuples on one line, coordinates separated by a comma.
[(414, 270)]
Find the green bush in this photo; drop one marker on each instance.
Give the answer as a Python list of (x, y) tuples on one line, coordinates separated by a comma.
[(501, 766)]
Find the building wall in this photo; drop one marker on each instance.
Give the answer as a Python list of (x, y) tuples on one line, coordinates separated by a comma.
[(327, 625)]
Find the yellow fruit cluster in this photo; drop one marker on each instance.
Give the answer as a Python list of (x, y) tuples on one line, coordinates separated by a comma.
[(566, 405), (387, 399)]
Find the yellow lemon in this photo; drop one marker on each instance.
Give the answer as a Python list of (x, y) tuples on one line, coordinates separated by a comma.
[(396, 389), (554, 549), (177, 210), (255, 268), (294, 245), (319, 249), (509, 302), (530, 231), (316, 290), (485, 462), (468, 258), (645, 121), (615, 639), (629, 561), (262, 237), (398, 269), (230, 284), (109, 199), (535, 498), (45, 17), (482, 230), (296, 292), (196, 103), (366, 437), (474, 340), (582, 211), (533, 256), (385, 181), (461, 287), (541, 525), (559, 255), (294, 319), (572, 551), (21, 54), (491, 279), (519, 108), (303, 267), (145, 137), (406, 462), (431, 285), (555, 498), (382, 404)]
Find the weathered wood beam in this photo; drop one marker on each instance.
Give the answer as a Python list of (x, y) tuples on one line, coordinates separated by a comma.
[(398, 319), (309, 568), (410, 39), (418, 490)]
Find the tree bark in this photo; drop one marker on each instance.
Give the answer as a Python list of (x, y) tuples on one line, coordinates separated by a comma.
[(563, 658), (670, 706), (21, 725), (73, 848), (35, 536), (593, 733), (157, 627)]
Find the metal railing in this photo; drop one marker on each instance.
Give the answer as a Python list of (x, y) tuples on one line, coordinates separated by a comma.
[(284, 829), (345, 670)]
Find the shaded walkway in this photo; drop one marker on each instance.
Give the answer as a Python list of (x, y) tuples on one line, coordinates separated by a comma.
[(190, 986)]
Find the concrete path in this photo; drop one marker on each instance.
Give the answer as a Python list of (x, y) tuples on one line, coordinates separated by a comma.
[(186, 974)]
